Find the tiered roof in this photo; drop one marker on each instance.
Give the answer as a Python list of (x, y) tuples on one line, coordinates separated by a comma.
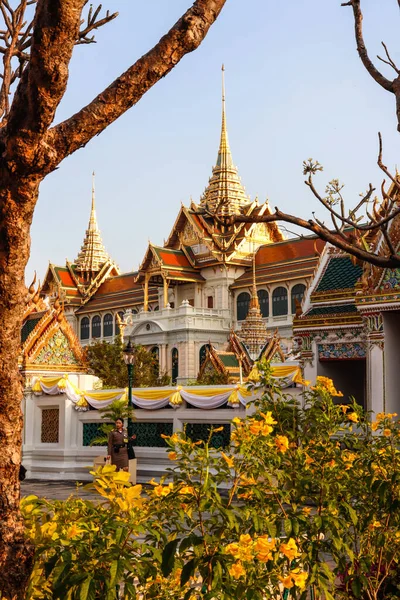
[(254, 332), (93, 255)]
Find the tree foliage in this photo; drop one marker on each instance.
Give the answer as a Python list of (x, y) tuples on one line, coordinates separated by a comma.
[(306, 498), (106, 361)]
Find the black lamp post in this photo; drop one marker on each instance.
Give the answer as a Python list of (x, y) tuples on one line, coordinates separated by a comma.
[(129, 358)]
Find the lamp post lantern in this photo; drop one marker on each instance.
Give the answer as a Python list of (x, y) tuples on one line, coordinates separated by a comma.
[(129, 359)]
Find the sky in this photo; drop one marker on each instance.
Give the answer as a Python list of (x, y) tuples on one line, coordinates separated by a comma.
[(295, 89)]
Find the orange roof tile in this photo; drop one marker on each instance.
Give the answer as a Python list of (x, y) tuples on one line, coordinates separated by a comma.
[(289, 250), (174, 259)]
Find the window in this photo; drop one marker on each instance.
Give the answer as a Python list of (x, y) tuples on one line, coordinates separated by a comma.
[(175, 364), (108, 325), (279, 302), (50, 425), (210, 301), (85, 328), (191, 301), (203, 354), (96, 327), (297, 294), (242, 305), (121, 316), (263, 299), (156, 308)]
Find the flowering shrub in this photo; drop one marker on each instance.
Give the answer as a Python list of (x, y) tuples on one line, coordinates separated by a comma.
[(307, 498)]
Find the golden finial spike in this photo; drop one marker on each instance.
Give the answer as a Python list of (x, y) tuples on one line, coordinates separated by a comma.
[(224, 153)]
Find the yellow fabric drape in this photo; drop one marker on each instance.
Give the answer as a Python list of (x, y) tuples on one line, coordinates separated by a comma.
[(207, 392)]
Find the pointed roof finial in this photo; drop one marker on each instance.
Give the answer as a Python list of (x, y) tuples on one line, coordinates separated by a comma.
[(225, 193), (224, 153), (93, 255)]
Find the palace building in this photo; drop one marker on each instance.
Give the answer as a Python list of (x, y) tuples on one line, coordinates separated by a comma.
[(206, 284)]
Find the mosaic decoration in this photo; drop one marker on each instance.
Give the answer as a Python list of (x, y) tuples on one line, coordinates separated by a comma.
[(391, 279), (341, 351), (57, 352), (201, 431), (50, 425)]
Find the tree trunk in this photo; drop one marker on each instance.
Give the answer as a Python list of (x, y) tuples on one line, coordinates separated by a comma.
[(17, 201)]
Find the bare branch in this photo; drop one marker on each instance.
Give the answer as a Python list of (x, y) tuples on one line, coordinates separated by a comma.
[(185, 36), (389, 60)]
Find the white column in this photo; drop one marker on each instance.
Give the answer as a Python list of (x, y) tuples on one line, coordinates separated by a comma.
[(376, 400)]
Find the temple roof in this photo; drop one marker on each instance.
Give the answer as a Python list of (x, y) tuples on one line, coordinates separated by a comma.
[(283, 261), (341, 274), (169, 263), (92, 255)]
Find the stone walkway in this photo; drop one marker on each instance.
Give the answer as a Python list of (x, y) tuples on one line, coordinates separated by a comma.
[(56, 490)]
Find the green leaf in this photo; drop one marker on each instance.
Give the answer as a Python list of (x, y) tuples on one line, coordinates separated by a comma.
[(187, 571), (168, 557), (356, 587), (84, 589), (287, 525), (352, 514)]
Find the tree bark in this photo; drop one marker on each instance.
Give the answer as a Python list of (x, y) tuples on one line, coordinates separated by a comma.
[(29, 150), (17, 201)]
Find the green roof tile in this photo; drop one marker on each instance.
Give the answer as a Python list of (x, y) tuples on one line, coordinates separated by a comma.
[(332, 310), (28, 327), (229, 360), (340, 274)]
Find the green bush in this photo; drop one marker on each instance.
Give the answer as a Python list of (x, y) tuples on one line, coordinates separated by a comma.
[(306, 498)]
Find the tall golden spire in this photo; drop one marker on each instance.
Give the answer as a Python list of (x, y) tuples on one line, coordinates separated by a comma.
[(93, 255), (224, 194)]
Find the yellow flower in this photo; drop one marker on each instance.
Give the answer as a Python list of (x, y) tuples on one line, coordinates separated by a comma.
[(309, 460), (374, 425), (290, 549), (186, 489), (268, 418), (287, 581), (218, 429), (282, 443), (245, 539), (353, 417), (299, 578), (172, 455), (263, 548), (374, 525), (233, 549), (344, 407), (74, 531), (326, 384), (380, 417), (237, 421), (228, 459), (255, 427), (387, 432), (306, 510), (237, 570), (162, 490)]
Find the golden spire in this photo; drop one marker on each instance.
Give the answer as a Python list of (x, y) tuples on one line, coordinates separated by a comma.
[(254, 331), (224, 194), (224, 158), (93, 255)]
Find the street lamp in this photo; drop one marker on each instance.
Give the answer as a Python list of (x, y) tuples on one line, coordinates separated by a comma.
[(129, 359)]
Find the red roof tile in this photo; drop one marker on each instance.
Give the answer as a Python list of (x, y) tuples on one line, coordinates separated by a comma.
[(289, 250)]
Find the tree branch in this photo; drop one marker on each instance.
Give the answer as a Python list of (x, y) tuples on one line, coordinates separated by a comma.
[(362, 50), (44, 80), (184, 37)]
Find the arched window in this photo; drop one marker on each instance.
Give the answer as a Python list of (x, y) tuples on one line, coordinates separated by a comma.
[(85, 328), (203, 354), (175, 364), (279, 302), (156, 308), (96, 327), (121, 316), (242, 306), (297, 294), (263, 299), (155, 352), (108, 325)]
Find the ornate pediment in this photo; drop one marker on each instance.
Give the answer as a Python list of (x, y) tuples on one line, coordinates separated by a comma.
[(57, 351)]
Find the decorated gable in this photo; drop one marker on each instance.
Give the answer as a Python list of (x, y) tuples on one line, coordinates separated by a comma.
[(57, 351)]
